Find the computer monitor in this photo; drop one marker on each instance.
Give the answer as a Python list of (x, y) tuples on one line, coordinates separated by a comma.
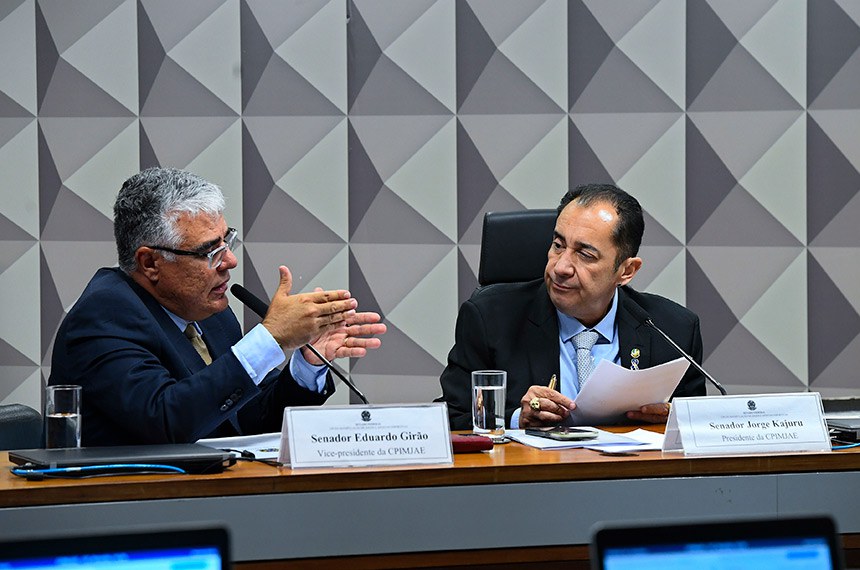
[(808, 543), (168, 549)]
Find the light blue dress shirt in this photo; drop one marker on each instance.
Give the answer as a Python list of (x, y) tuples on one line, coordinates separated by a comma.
[(259, 353), (606, 348)]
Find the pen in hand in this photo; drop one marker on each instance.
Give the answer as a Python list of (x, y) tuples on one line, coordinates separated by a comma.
[(553, 382)]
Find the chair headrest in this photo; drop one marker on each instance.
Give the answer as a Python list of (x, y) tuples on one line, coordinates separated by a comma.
[(514, 245)]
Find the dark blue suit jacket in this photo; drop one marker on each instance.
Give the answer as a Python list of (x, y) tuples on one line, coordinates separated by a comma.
[(143, 382), (514, 327)]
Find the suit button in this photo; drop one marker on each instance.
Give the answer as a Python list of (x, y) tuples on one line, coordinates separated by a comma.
[(225, 407), (228, 403)]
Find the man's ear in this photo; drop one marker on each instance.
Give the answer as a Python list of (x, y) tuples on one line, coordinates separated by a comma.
[(148, 263), (629, 268)]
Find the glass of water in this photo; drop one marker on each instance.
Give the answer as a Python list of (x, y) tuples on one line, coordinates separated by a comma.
[(488, 402), (63, 416)]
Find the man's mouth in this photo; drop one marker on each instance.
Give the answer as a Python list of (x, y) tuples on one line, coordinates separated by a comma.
[(221, 289)]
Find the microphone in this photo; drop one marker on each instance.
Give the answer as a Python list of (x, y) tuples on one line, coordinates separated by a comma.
[(261, 307), (643, 317)]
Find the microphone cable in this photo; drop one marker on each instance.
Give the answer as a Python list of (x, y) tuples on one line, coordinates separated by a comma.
[(89, 471)]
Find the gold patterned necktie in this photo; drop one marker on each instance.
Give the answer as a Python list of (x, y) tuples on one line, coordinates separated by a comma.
[(197, 343)]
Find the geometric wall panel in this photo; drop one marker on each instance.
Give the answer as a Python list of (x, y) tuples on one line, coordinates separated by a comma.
[(361, 142)]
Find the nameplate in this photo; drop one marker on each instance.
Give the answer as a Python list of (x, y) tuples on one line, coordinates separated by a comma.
[(747, 424), (361, 436)]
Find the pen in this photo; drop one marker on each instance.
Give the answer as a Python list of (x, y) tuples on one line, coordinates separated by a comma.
[(553, 382)]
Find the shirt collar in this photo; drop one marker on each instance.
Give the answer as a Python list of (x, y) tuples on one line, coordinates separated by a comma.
[(568, 326), (182, 323)]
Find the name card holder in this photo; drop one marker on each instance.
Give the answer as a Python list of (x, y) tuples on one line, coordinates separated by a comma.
[(363, 436), (747, 424)]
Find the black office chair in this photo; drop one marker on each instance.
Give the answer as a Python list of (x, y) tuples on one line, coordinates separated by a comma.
[(514, 245), (20, 427)]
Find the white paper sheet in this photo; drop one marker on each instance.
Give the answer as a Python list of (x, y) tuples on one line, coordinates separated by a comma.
[(603, 438), (611, 391), (641, 440)]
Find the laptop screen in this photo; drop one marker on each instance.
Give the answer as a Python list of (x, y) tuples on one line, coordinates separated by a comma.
[(197, 549), (795, 544)]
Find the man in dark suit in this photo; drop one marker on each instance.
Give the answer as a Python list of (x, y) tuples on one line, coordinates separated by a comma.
[(530, 329), (159, 353)]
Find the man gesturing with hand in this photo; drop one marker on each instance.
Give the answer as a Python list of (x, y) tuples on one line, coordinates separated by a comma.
[(160, 355)]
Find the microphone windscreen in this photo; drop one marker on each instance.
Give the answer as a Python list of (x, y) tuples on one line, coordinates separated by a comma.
[(250, 300)]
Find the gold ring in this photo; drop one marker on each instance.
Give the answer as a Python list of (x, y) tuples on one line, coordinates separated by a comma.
[(534, 403)]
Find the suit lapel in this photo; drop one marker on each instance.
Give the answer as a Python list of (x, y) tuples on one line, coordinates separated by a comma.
[(214, 336), (184, 349), (216, 340), (541, 339), (633, 337)]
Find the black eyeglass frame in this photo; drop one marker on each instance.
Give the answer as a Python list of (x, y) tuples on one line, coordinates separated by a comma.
[(229, 239)]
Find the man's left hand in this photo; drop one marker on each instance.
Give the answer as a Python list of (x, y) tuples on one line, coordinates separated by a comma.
[(650, 413), (352, 340)]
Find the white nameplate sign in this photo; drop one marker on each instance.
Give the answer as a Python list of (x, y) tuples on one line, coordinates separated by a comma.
[(748, 423), (361, 436)]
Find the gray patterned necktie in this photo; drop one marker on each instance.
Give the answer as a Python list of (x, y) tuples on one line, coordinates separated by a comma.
[(584, 342)]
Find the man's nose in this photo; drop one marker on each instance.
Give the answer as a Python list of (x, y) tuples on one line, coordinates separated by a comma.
[(564, 264), (230, 260)]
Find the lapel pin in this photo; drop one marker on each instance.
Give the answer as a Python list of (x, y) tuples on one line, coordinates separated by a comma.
[(634, 353)]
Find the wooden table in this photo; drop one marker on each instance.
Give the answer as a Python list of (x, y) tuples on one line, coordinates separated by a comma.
[(514, 504)]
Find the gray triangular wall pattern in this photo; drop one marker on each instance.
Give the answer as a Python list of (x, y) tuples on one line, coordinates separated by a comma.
[(717, 319), (621, 87), (10, 108), (836, 323), (499, 201), (476, 49), (70, 93), (12, 252), (709, 42), (840, 373), (282, 219), (9, 231), (475, 181), (760, 366), (399, 348), (391, 220), (176, 93), (391, 91), (708, 179), (282, 90), (588, 47), (364, 179), (831, 180), (727, 63), (740, 220), (72, 219), (835, 38), (503, 89), (365, 53), (656, 234), (257, 182)]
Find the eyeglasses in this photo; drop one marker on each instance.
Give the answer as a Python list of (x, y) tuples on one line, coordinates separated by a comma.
[(215, 257)]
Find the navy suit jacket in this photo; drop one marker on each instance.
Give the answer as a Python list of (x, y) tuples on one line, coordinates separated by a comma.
[(143, 382), (514, 327)]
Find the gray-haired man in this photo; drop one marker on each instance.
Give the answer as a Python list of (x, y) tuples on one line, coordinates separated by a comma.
[(160, 355)]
